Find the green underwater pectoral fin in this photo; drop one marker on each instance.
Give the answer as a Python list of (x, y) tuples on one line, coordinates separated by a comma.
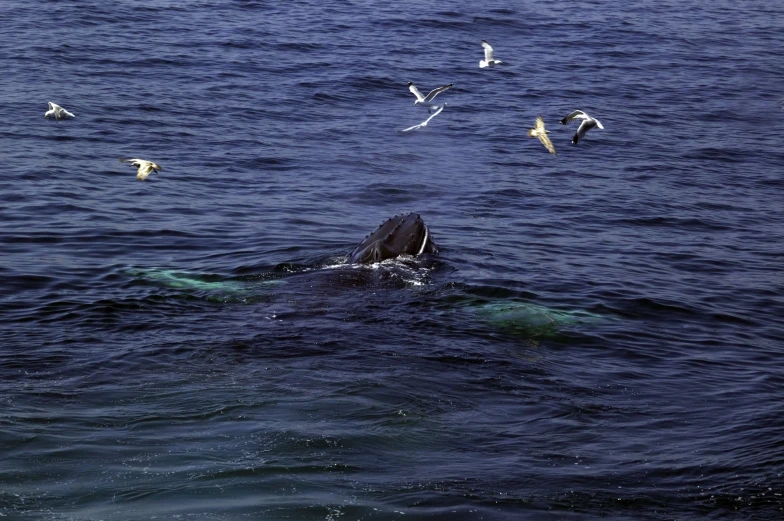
[(531, 319), (213, 287)]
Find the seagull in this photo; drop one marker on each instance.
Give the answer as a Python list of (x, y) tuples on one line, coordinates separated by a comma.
[(427, 101), (587, 124), (145, 167), (541, 133), (57, 112), (438, 108), (488, 61)]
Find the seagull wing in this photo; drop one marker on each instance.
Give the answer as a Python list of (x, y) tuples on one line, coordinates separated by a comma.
[(415, 92), (436, 113), (425, 122), (584, 127), (574, 115), (415, 127), (435, 92), (541, 133), (51, 105), (488, 51), (545, 139)]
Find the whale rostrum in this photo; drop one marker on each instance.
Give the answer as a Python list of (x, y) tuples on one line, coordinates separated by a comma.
[(399, 235)]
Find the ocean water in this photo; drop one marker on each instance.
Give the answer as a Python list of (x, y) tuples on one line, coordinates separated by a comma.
[(600, 336)]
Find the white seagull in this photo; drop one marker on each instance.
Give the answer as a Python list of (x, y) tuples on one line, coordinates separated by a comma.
[(439, 108), (57, 112), (488, 61), (427, 101), (145, 167), (541, 133), (587, 124)]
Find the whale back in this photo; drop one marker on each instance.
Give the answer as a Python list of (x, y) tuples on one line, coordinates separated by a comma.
[(399, 235)]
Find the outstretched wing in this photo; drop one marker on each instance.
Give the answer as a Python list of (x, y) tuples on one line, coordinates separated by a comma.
[(415, 91), (585, 126), (425, 122), (539, 126), (415, 127), (541, 133), (134, 162), (545, 139), (488, 51), (435, 92), (577, 114)]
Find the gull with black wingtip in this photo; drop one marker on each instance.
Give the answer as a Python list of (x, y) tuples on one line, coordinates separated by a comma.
[(427, 101), (587, 124)]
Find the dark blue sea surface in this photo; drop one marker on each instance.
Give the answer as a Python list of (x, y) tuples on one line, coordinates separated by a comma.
[(599, 337)]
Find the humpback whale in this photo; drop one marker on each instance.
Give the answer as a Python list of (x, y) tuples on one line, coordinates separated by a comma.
[(399, 235)]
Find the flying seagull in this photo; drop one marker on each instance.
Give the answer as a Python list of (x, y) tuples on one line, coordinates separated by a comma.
[(587, 124), (488, 61), (145, 167), (427, 101), (57, 112), (439, 108), (541, 133)]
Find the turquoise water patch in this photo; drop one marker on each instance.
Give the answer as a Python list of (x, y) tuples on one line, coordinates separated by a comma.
[(210, 285), (532, 319)]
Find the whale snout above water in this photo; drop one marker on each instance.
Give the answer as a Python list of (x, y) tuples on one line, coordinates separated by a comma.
[(399, 235)]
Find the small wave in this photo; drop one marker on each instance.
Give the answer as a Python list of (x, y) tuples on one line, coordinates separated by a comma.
[(451, 14), (674, 222), (646, 307), (240, 44), (300, 46), (727, 155), (270, 163)]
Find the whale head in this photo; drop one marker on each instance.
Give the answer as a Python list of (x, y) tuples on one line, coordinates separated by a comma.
[(399, 235)]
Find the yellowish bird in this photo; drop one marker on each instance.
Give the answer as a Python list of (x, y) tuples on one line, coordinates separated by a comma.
[(541, 133), (145, 167)]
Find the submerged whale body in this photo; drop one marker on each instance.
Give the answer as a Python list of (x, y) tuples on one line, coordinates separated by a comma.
[(399, 235)]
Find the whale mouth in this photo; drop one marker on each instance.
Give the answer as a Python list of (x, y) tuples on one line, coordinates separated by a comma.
[(424, 241), (399, 235)]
